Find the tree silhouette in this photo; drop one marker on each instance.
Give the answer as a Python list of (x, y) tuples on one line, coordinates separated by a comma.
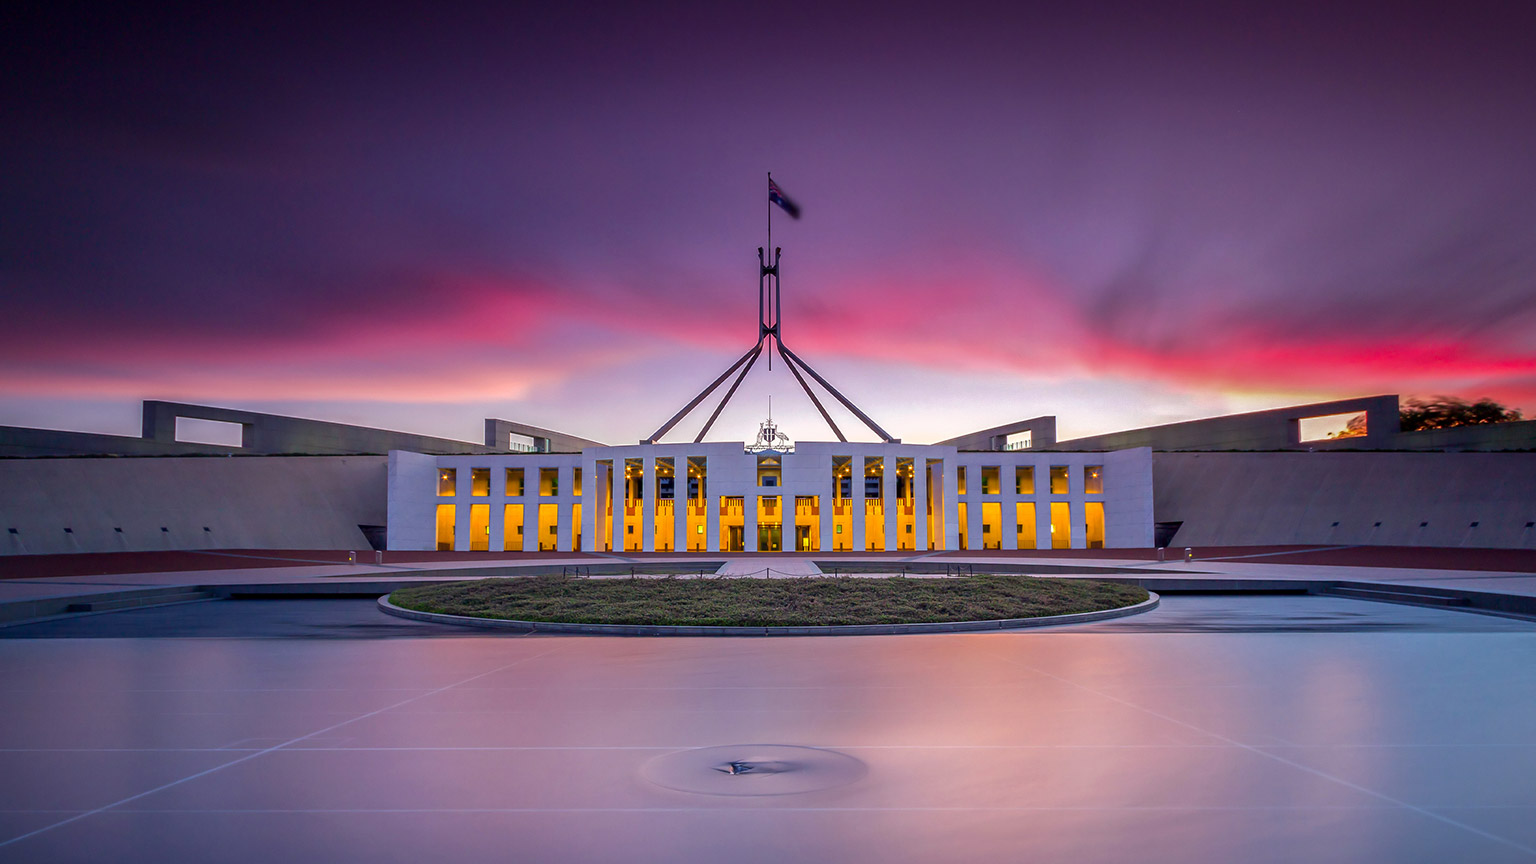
[(1444, 412)]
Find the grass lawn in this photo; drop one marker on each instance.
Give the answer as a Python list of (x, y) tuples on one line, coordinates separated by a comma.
[(739, 602)]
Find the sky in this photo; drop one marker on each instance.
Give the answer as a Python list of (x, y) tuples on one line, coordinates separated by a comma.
[(417, 217)]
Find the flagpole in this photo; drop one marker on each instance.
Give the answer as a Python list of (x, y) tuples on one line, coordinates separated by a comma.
[(770, 254)]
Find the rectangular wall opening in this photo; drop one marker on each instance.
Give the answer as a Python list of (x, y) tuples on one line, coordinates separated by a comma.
[(195, 430), (634, 505), (935, 504), (512, 528), (480, 482), (665, 518), (519, 443), (842, 503), (1024, 480), (770, 524), (990, 481), (1020, 440), (447, 482), (1061, 526), (575, 527), (603, 517), (1332, 427), (445, 525), (732, 523), (1059, 479), (906, 503), (991, 525), (965, 524), (1093, 531), (1024, 514), (808, 523), (698, 505), (874, 503), (770, 471), (549, 527), (480, 527), (514, 482), (1093, 479), (549, 482)]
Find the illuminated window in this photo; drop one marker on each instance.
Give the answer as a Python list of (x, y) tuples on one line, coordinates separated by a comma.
[(770, 524), (965, 524), (874, 477), (514, 482), (732, 523), (576, 482), (480, 525), (549, 527), (549, 482), (1058, 480), (1093, 479), (1061, 526), (808, 523), (576, 527), (447, 482), (1094, 532), (1025, 516), (480, 481), (512, 528), (991, 525), (769, 471), (445, 524), (960, 480), (990, 482), (1024, 480)]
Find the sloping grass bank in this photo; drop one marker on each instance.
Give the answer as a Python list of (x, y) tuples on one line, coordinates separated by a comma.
[(808, 602)]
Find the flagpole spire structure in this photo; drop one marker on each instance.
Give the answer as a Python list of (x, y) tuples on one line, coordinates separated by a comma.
[(768, 329)]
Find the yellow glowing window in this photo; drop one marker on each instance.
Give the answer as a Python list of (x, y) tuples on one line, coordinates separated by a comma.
[(514, 482), (990, 483), (960, 480), (1058, 480), (1093, 479), (480, 481), (1024, 515), (480, 527), (1024, 480), (512, 528), (447, 482), (1094, 529), (549, 481), (576, 482), (445, 525), (1061, 526)]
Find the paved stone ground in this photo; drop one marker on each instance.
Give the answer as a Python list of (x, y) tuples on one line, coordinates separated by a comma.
[(1253, 729)]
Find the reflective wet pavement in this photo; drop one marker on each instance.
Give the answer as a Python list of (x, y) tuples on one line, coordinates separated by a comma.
[(1216, 729)]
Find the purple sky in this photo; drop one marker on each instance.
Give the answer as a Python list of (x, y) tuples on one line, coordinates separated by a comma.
[(1119, 214)]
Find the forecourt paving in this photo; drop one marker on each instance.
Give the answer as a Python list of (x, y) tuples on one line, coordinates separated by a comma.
[(1229, 728)]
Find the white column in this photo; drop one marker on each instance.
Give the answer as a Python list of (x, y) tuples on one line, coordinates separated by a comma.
[(888, 495), (920, 503), (648, 503), (856, 476)]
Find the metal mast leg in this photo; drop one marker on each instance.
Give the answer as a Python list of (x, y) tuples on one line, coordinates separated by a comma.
[(702, 396), (794, 358), (729, 393), (811, 393)]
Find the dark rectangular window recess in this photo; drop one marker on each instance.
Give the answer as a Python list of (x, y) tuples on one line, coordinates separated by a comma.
[(1378, 525), (1528, 525), (118, 530), (1423, 524), (210, 530), (1473, 525), (71, 530), (1334, 525), (14, 531), (164, 530)]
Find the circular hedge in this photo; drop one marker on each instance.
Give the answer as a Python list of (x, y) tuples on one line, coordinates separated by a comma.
[(750, 602)]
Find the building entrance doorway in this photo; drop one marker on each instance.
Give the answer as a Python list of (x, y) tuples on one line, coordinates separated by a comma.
[(770, 538)]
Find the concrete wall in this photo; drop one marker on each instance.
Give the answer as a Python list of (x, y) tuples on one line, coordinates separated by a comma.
[(1328, 498), (1042, 435), (273, 433), (1277, 429), (174, 502)]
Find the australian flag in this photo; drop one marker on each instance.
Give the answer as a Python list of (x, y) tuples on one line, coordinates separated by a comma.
[(777, 196)]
